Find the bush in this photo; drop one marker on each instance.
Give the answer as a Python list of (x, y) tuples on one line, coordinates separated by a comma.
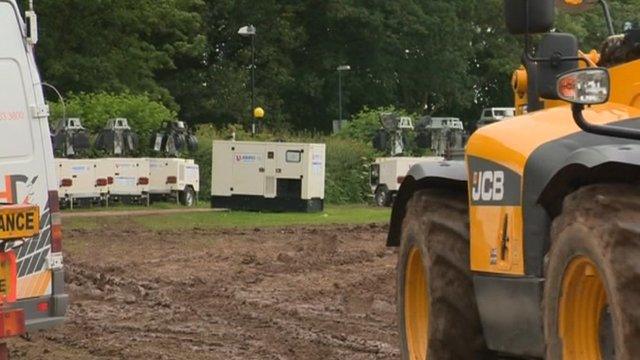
[(202, 157), (145, 116), (347, 171), (363, 125)]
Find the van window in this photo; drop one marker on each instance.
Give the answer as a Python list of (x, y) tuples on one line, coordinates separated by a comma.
[(15, 128), (487, 113)]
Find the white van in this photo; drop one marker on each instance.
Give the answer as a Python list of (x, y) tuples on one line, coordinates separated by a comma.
[(493, 115), (31, 275)]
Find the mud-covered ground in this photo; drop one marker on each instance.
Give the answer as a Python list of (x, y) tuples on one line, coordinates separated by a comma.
[(288, 293)]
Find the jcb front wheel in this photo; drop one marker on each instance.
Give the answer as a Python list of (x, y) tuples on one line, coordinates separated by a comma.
[(592, 287), (437, 312)]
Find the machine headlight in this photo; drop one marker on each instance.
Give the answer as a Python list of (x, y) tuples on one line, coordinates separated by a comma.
[(584, 86)]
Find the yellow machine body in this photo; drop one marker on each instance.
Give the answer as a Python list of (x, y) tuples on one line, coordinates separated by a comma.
[(497, 235)]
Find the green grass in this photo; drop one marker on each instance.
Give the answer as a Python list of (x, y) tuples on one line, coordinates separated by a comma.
[(333, 214), (122, 207)]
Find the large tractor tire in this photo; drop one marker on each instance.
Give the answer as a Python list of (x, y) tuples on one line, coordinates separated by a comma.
[(592, 291), (437, 311)]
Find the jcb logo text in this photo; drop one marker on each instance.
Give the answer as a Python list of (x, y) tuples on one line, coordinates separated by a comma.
[(488, 186)]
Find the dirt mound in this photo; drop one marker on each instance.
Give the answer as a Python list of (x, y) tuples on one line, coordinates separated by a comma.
[(289, 293)]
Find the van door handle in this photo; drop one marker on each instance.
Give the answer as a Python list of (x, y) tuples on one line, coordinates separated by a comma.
[(261, 169)]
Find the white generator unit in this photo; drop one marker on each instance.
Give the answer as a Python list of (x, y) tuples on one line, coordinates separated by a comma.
[(271, 176), (388, 173), (127, 179), (79, 183), (174, 178)]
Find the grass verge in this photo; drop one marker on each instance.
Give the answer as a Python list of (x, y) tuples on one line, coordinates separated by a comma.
[(159, 205), (333, 214)]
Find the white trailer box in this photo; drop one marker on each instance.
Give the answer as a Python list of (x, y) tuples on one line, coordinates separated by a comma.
[(78, 181), (273, 176), (177, 178), (128, 178), (388, 173)]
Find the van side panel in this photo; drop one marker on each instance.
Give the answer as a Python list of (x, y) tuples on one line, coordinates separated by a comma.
[(27, 173)]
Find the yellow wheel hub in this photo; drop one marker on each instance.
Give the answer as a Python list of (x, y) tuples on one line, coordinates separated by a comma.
[(416, 306), (580, 310)]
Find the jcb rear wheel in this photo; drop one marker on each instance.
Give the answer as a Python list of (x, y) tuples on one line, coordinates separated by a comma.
[(438, 316), (592, 289)]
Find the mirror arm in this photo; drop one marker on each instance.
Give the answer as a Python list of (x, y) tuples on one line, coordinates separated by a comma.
[(607, 15), (615, 131)]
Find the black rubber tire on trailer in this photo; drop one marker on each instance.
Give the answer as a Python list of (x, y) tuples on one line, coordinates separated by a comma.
[(382, 196), (188, 197), (593, 276), (435, 241)]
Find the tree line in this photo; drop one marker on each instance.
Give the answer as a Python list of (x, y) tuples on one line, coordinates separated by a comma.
[(442, 57)]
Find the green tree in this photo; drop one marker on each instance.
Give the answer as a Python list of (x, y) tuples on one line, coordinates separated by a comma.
[(441, 57), (144, 115), (120, 45)]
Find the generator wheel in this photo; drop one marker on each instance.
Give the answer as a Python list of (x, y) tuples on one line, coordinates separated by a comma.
[(188, 197), (382, 196), (592, 287), (437, 311)]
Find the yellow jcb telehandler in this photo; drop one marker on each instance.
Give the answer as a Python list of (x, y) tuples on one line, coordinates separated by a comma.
[(530, 247)]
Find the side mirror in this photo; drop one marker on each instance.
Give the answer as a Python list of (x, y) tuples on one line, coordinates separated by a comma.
[(556, 47), (589, 86), (540, 14)]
